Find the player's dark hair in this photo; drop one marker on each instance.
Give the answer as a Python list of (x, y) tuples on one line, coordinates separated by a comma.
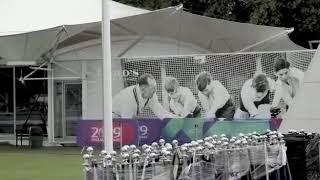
[(280, 63), (171, 84), (203, 79), (143, 79), (260, 83)]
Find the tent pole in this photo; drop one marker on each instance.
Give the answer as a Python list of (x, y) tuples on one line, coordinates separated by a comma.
[(133, 44), (268, 39), (14, 100), (51, 54), (107, 79), (66, 68), (124, 28), (53, 78), (50, 107), (32, 72)]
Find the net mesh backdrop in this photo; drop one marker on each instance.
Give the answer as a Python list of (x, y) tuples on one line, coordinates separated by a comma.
[(231, 69)]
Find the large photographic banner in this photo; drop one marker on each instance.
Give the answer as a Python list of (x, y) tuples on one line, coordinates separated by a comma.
[(146, 131), (243, 90), (235, 73)]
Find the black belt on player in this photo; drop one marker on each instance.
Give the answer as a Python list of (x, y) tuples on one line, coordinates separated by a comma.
[(137, 101), (196, 112), (264, 100)]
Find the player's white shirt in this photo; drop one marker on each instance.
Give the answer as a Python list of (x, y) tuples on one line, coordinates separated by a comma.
[(248, 95), (124, 104), (285, 91), (215, 100), (185, 104)]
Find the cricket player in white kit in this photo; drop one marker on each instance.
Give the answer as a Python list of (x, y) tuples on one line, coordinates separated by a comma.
[(288, 83), (255, 98), (182, 101), (129, 102), (214, 97)]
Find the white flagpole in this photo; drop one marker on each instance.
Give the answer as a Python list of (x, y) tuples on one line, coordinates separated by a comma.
[(107, 79)]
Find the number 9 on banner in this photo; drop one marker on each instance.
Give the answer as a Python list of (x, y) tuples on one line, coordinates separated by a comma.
[(149, 130), (116, 133), (143, 131)]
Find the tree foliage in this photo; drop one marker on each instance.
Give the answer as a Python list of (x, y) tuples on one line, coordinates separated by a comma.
[(303, 15), (148, 4)]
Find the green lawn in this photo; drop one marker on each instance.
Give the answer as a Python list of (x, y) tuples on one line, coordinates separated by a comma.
[(41, 164)]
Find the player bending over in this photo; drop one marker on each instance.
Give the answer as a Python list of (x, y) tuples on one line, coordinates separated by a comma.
[(288, 83), (214, 97), (255, 98), (182, 101), (129, 102)]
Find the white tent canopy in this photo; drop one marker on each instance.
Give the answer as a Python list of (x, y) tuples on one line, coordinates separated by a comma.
[(216, 35), (305, 113), (30, 28), (18, 16), (28, 47), (213, 35), (43, 19), (281, 43)]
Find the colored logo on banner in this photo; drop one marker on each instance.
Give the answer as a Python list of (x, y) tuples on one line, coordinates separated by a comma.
[(233, 128), (146, 131), (149, 131), (183, 130), (125, 131), (275, 123), (171, 128), (90, 132)]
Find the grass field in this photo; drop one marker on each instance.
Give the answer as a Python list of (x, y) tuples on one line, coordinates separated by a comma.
[(23, 163)]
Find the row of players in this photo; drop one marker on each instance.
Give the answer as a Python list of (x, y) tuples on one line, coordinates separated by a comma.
[(255, 100)]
